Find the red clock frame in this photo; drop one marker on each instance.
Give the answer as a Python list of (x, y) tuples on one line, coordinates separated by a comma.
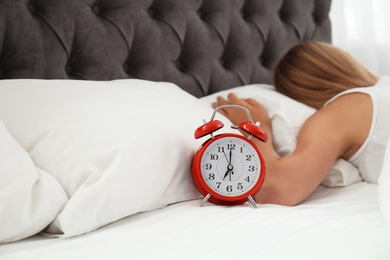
[(217, 198)]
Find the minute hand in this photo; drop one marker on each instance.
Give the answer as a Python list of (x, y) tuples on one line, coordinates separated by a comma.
[(226, 157)]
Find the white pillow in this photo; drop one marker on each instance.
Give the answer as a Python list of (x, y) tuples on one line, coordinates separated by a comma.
[(117, 147), (287, 116), (29, 198)]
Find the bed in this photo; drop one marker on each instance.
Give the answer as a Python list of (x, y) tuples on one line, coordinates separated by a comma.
[(99, 101)]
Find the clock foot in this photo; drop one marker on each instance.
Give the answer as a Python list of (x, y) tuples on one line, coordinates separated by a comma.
[(205, 200), (252, 201)]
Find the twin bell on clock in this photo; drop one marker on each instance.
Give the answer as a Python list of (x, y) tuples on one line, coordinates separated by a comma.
[(228, 168)]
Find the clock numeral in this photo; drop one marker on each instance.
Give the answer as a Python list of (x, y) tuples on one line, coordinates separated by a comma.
[(247, 179), (239, 186), (251, 168), (249, 157), (214, 157), (211, 176), (208, 166), (231, 146), (228, 147), (218, 184), (229, 188)]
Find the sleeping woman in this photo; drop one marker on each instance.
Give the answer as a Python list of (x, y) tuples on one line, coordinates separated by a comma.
[(351, 122)]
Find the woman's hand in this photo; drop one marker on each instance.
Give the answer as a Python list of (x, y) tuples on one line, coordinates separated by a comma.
[(237, 116)]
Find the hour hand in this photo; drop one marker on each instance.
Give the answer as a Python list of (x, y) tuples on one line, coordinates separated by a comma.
[(226, 174)]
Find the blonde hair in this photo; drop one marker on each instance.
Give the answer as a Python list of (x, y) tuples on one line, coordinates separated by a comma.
[(314, 72)]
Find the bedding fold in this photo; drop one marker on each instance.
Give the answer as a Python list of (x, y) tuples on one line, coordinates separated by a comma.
[(30, 198)]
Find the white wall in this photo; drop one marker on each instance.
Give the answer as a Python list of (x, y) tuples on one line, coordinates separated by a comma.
[(362, 27)]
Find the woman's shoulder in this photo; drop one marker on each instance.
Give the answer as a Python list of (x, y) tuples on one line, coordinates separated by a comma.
[(345, 122), (353, 106), (353, 98), (362, 90)]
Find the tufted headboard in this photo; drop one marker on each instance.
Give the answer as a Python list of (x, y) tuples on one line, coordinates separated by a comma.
[(203, 46)]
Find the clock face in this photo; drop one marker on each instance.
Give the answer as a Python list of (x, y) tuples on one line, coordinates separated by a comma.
[(231, 166)]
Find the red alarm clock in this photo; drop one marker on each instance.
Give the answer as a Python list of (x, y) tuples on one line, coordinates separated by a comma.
[(228, 169)]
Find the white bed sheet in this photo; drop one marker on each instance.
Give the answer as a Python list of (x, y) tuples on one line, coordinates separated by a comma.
[(334, 223)]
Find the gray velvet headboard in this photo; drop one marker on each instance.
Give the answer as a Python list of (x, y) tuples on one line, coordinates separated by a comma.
[(203, 46)]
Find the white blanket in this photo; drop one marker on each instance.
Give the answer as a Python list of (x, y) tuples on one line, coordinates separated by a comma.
[(384, 186), (333, 223)]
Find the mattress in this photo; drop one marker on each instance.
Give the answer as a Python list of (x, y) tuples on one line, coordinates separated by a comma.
[(333, 223)]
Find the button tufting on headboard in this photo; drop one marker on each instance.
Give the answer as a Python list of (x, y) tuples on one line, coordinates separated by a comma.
[(202, 46), (31, 8), (95, 9)]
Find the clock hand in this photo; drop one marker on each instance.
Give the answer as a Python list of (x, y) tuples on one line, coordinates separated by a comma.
[(230, 175), (226, 157), (226, 174), (230, 165), (229, 169)]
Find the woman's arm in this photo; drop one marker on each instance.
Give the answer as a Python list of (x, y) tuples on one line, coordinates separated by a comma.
[(258, 114), (330, 133)]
